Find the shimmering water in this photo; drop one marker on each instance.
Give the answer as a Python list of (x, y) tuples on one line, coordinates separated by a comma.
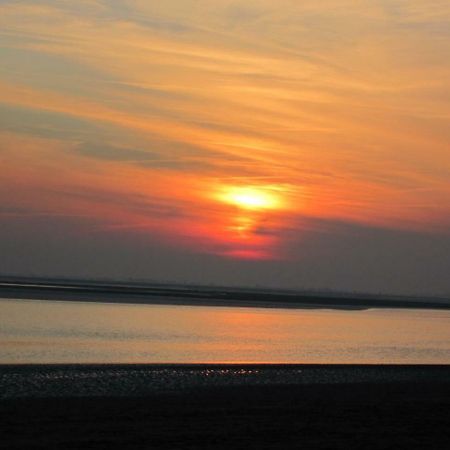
[(73, 332)]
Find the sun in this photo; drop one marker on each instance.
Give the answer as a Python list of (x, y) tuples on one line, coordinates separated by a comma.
[(252, 198)]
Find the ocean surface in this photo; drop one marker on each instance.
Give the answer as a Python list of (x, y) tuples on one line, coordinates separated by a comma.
[(52, 332)]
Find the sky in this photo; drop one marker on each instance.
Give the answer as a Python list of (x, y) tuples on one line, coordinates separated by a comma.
[(270, 143)]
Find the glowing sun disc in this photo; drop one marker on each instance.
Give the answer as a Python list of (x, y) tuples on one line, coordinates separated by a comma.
[(250, 198)]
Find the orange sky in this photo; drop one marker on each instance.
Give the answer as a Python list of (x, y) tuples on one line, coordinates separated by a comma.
[(227, 128)]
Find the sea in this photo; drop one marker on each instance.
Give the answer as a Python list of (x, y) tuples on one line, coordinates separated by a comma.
[(66, 332)]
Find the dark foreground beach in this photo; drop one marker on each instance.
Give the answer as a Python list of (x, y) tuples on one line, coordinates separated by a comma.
[(224, 407)]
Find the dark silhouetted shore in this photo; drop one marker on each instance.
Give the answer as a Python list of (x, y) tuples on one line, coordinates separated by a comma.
[(268, 407)]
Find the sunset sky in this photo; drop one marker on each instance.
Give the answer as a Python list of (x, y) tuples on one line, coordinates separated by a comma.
[(282, 143)]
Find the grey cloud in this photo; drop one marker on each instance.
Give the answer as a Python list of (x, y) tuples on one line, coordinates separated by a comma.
[(145, 158), (115, 153), (139, 203), (44, 124), (162, 154)]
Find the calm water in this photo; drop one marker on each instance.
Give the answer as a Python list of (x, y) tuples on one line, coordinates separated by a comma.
[(65, 332)]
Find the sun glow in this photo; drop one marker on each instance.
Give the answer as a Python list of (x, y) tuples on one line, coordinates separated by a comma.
[(249, 218), (251, 198)]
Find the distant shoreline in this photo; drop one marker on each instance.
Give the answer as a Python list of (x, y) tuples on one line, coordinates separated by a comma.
[(148, 294), (162, 300)]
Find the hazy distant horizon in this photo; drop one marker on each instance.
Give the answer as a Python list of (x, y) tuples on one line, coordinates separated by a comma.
[(352, 270), (189, 283)]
